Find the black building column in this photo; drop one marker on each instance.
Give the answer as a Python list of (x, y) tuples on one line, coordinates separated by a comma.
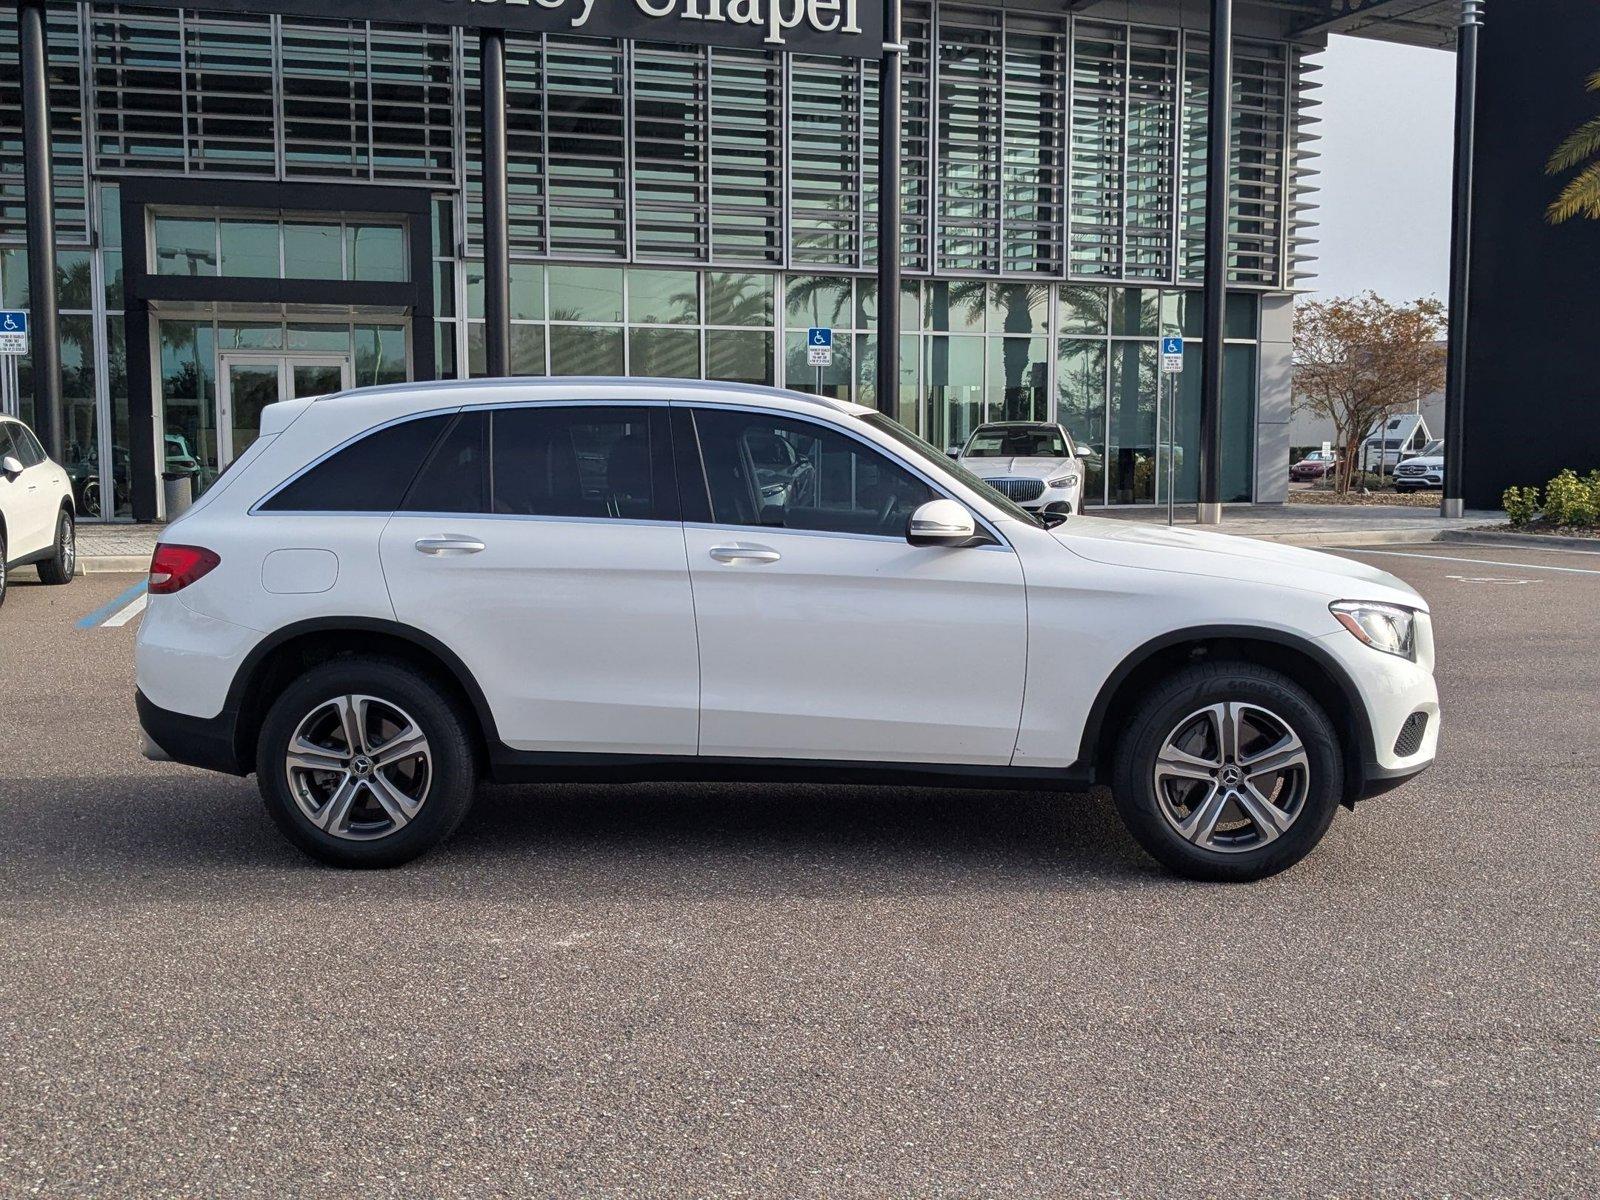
[(1219, 140), (496, 214), (889, 211), (1455, 386), (38, 192)]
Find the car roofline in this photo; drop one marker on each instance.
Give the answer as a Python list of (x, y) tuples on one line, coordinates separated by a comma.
[(527, 388)]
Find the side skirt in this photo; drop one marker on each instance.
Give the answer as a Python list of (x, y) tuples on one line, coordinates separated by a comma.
[(522, 766)]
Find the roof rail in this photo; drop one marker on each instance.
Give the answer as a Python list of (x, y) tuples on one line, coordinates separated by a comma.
[(549, 382)]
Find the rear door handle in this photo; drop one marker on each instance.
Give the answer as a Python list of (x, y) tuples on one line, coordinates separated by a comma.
[(742, 553), (449, 545)]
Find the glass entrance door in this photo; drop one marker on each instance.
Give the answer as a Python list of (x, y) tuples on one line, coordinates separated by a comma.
[(249, 382)]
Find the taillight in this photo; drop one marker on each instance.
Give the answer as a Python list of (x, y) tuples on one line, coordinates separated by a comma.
[(174, 567)]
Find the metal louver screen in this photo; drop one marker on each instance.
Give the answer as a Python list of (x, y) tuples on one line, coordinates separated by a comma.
[(66, 125)]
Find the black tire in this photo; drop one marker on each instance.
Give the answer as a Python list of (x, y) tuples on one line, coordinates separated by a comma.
[(1165, 709), (451, 778), (63, 562), (4, 577)]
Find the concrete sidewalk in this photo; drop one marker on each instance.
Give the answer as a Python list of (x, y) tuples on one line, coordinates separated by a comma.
[(116, 547), (1319, 524), (119, 548)]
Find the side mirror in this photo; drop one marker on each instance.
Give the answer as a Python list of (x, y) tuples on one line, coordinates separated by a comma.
[(1084, 452), (953, 451), (11, 465), (941, 523)]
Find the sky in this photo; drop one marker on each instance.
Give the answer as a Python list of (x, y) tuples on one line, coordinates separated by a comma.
[(1386, 129)]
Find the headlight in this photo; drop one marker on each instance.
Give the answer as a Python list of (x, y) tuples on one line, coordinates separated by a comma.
[(1064, 481), (1385, 627)]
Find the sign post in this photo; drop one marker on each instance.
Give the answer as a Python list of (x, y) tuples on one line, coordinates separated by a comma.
[(1171, 367), (819, 351), (13, 343)]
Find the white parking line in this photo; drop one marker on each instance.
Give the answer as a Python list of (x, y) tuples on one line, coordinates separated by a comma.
[(1482, 562), (123, 615)]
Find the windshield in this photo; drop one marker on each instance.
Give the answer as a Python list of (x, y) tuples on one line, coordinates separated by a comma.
[(1014, 441), (1434, 447), (936, 464)]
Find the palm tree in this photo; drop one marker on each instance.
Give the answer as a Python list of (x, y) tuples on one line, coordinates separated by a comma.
[(1581, 195)]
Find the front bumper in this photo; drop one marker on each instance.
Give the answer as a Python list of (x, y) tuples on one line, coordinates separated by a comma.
[(1058, 499), (1391, 691)]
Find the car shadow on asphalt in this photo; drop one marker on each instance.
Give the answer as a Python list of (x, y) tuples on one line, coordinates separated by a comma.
[(671, 840), (874, 832)]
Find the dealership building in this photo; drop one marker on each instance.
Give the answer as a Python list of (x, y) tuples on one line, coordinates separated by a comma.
[(250, 202)]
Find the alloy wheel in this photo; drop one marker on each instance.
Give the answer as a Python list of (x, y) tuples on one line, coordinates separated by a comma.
[(1232, 777), (359, 767), (67, 536)]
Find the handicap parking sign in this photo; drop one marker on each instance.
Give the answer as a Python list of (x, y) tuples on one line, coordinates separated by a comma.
[(13, 331), (1172, 354), (818, 336)]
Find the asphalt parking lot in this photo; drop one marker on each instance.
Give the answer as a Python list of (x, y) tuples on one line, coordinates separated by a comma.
[(782, 991)]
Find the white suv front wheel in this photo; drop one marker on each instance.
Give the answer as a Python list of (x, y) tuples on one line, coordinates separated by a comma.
[(1230, 771), (365, 762)]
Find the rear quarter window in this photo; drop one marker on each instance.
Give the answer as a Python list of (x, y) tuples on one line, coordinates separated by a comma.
[(371, 474)]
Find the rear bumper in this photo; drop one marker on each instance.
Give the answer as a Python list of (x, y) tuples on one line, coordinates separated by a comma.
[(196, 741)]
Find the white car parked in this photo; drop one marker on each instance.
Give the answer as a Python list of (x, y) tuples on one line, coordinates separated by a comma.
[(398, 591), (1033, 463), (36, 524), (1426, 470)]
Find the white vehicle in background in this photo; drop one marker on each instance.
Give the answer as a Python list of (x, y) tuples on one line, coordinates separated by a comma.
[(1426, 470), (1032, 463), (1401, 436), (397, 591), (36, 523)]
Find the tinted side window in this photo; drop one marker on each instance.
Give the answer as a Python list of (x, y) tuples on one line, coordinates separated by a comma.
[(6, 446), (579, 461), (764, 470), (370, 475), (455, 479), (28, 448)]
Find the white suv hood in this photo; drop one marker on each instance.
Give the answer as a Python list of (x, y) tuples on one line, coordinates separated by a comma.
[(1224, 556)]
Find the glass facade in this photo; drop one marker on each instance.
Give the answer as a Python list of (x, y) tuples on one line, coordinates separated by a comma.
[(686, 211)]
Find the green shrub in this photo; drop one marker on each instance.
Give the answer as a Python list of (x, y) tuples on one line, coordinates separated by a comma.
[(1569, 500), (1520, 504)]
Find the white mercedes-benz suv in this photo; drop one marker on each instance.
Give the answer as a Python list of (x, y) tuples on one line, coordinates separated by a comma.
[(398, 591)]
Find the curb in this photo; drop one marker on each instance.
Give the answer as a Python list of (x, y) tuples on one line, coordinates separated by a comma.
[(1529, 541), (1317, 539), (113, 564)]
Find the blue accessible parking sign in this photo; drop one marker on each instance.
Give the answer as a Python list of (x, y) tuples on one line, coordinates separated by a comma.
[(13, 331), (1172, 354), (819, 349)]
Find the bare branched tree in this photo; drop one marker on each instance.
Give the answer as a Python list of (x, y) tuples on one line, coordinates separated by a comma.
[(1360, 359)]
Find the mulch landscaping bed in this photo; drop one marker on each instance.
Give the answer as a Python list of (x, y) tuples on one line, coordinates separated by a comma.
[(1591, 532), (1409, 499)]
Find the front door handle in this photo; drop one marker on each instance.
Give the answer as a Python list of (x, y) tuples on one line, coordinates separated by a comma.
[(449, 545), (739, 552)]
